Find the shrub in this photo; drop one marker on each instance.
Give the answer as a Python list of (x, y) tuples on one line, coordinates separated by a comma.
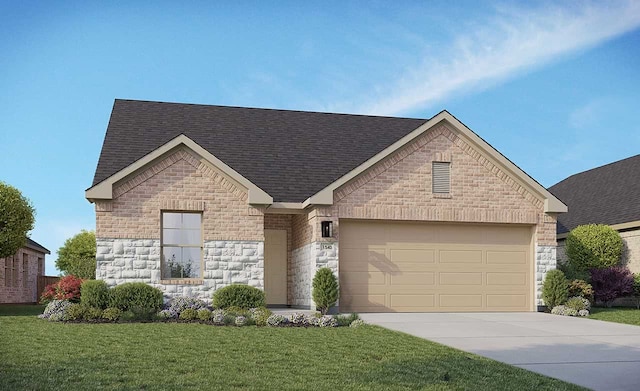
[(181, 303), (325, 289), (346, 320), (167, 314), (204, 314), (357, 323), (239, 295), (189, 314), (137, 297), (611, 283), (327, 321), (555, 288), (112, 314), (581, 288), (92, 313), (567, 311), (218, 316), (260, 315), (276, 320), (75, 312), (94, 293), (240, 320), (593, 246), (67, 288), (55, 310), (578, 303), (636, 289), (298, 319), (572, 273)]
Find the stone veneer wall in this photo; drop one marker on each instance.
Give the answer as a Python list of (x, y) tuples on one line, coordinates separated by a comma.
[(21, 291), (138, 260), (306, 260), (545, 261)]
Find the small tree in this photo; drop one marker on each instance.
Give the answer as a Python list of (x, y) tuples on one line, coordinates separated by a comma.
[(610, 283), (593, 246), (325, 289), (555, 288), (78, 255), (16, 219), (636, 289)]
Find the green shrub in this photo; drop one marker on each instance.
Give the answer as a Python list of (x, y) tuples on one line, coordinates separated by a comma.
[(572, 273), (189, 314), (580, 288), (593, 246), (578, 303), (636, 289), (325, 289), (204, 314), (94, 293), (555, 289), (112, 314), (135, 296), (346, 319), (92, 313), (75, 311), (260, 315), (239, 295)]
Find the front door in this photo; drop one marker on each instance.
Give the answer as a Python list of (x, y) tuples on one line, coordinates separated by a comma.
[(275, 266)]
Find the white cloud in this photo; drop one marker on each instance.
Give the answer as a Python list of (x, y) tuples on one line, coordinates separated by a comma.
[(516, 40)]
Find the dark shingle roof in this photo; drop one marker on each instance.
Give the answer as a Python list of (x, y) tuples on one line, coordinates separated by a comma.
[(604, 195), (36, 246), (289, 154)]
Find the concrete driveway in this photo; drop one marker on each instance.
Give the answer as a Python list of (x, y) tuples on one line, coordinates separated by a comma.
[(591, 353)]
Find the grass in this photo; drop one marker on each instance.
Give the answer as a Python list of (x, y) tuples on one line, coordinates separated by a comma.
[(616, 314), (39, 355)]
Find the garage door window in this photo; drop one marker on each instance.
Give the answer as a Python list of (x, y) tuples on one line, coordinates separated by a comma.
[(441, 177)]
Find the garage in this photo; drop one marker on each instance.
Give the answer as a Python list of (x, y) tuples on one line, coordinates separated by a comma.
[(390, 266)]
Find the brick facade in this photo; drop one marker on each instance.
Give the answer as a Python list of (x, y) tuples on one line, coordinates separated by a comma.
[(19, 284)]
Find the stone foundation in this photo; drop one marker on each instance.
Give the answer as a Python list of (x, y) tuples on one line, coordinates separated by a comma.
[(306, 261), (225, 262)]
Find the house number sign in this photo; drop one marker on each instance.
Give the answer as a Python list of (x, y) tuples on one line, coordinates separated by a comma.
[(327, 246)]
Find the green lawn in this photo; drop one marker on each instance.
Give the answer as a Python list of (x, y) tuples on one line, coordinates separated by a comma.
[(617, 314), (39, 355)]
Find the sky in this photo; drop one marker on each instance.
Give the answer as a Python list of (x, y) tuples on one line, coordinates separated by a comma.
[(553, 85)]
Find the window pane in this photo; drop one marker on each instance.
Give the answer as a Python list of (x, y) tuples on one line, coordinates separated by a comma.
[(171, 220), (191, 237), (181, 262), (191, 261), (191, 220), (171, 236), (171, 258)]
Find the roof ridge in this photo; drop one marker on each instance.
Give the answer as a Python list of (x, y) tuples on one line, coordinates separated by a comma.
[(272, 109)]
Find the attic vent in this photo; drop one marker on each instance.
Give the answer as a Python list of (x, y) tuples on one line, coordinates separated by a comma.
[(441, 177)]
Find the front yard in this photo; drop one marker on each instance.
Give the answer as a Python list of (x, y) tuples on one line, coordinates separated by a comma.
[(617, 314), (39, 355)]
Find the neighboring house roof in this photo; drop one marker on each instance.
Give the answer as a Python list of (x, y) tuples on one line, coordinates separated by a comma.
[(603, 195), (289, 154), (281, 156), (32, 244)]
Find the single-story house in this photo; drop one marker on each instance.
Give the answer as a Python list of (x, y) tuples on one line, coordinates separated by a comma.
[(410, 214), (19, 273), (609, 195)]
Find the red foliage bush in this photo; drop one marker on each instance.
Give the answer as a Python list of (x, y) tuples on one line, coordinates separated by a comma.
[(610, 283), (67, 288)]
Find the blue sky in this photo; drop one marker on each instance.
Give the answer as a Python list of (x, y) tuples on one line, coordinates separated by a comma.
[(555, 86)]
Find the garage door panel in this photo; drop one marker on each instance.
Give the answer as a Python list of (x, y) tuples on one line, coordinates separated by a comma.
[(355, 278), (460, 256), (461, 301), (506, 301), (417, 267), (412, 301), (460, 278), (423, 279), (506, 257), (412, 255), (515, 279)]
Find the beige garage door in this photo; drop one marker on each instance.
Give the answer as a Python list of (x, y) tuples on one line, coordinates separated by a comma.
[(430, 267)]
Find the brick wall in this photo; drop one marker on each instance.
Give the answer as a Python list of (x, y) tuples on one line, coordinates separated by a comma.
[(180, 181), (14, 288)]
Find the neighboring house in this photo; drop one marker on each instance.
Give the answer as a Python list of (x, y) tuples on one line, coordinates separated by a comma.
[(410, 214), (604, 195), (19, 274)]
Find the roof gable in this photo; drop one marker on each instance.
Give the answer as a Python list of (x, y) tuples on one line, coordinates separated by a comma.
[(603, 195)]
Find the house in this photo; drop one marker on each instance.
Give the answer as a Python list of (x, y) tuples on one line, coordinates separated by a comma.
[(19, 274), (604, 195), (412, 215)]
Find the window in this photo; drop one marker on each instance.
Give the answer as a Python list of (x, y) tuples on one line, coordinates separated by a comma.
[(25, 270), (441, 177), (181, 245)]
